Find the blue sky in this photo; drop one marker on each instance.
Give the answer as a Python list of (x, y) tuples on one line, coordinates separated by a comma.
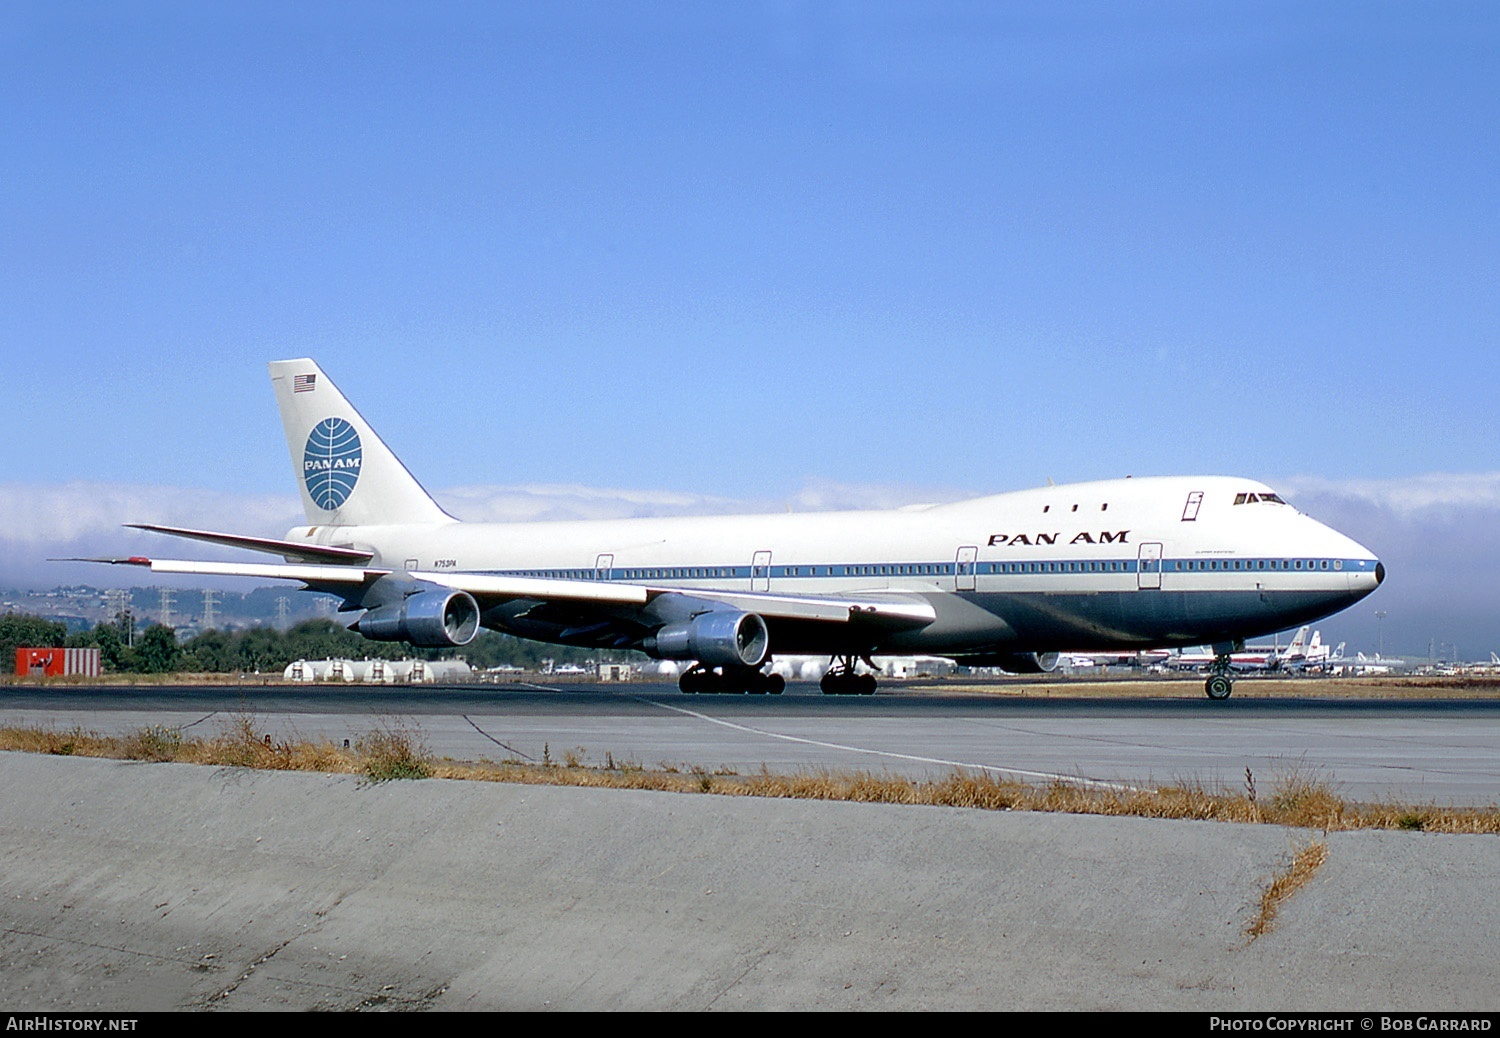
[(835, 253)]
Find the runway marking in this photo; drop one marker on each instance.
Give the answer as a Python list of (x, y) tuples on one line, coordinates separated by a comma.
[(1046, 775)]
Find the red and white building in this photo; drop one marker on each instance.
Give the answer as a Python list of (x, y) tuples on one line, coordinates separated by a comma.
[(57, 662)]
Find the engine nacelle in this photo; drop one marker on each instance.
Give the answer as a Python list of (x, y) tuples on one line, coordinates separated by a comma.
[(436, 619), (1015, 662), (722, 638)]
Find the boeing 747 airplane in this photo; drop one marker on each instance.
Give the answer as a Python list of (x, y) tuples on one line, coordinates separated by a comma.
[(1006, 581)]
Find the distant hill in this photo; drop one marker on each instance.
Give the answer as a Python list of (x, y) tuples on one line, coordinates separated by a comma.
[(81, 606)]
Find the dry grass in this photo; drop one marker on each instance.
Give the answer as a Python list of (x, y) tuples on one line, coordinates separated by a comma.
[(1305, 862), (239, 743), (394, 750)]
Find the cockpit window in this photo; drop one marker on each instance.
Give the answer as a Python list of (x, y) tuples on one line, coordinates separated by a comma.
[(1250, 499)]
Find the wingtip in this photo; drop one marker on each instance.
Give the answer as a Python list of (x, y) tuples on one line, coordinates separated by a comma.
[(132, 560)]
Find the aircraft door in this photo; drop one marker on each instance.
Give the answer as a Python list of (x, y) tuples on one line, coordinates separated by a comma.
[(760, 571), (604, 567), (963, 568), (1148, 567)]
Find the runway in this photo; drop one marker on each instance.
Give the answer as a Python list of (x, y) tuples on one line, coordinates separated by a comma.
[(1414, 750)]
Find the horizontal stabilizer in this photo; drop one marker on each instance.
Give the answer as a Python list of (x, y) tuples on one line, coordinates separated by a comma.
[(307, 572), (287, 549)]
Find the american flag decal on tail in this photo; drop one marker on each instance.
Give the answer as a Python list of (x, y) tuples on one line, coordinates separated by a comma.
[(304, 383)]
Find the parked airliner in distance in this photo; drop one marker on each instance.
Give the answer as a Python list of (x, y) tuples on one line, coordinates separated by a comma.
[(1005, 581), (1250, 658)]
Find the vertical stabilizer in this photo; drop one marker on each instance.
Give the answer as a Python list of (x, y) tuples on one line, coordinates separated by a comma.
[(1297, 651), (346, 475)]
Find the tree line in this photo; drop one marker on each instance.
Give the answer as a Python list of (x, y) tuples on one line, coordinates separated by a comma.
[(156, 650)]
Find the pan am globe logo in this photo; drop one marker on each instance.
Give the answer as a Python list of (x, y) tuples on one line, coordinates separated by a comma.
[(330, 463)]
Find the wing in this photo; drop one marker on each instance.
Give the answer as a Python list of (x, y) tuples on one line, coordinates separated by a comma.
[(899, 611), (578, 611), (431, 607)]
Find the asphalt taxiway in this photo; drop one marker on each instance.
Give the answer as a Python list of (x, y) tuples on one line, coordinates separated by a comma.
[(1439, 751)]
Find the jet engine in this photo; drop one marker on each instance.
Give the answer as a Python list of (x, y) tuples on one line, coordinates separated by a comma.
[(435, 619), (722, 638)]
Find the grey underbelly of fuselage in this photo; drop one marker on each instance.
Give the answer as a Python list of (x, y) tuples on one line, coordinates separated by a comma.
[(1033, 622)]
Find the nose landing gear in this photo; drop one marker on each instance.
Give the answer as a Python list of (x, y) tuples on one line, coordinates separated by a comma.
[(1219, 684)]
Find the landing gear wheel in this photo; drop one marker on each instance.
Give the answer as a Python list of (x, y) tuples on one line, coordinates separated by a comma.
[(843, 681), (732, 680), (1218, 687)]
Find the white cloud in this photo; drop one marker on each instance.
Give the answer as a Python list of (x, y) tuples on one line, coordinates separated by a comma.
[(822, 495), (546, 501), (84, 512), (38, 521), (1405, 496), (553, 501)]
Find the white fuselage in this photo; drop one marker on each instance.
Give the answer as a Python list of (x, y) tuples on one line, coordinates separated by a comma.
[(1130, 562)]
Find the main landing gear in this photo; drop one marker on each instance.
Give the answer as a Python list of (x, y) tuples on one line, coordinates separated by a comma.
[(1219, 683), (841, 679), (734, 680)]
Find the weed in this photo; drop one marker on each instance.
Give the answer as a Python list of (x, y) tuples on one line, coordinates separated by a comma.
[(242, 743), (1301, 797), (75, 741), (394, 752), (1305, 862), (156, 742)]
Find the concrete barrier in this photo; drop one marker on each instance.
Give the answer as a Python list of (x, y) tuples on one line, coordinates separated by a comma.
[(133, 886)]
